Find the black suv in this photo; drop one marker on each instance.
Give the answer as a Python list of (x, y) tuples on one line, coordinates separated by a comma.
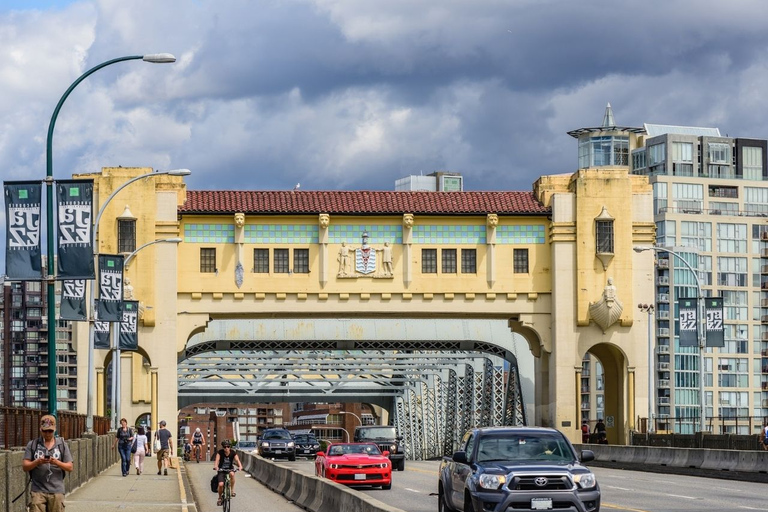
[(517, 468), (306, 445), (387, 440), (277, 442)]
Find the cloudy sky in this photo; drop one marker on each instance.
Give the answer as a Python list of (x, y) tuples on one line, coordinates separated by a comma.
[(353, 94)]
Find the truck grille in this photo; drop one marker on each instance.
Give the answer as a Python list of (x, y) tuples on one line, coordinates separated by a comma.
[(534, 483)]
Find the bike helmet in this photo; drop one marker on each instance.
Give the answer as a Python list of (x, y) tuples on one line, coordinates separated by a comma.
[(226, 444)]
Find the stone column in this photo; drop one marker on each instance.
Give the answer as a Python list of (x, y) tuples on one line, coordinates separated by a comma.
[(490, 239), (407, 252), (324, 220), (153, 409), (100, 391), (631, 400)]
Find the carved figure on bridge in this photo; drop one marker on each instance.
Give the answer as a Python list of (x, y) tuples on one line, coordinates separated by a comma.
[(386, 260), (408, 220), (343, 259), (325, 220), (607, 310), (239, 240)]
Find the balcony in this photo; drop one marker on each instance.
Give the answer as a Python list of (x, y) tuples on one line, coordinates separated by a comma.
[(664, 332), (764, 252), (764, 269), (764, 303), (664, 280), (764, 319), (662, 263), (765, 336), (663, 315), (662, 349), (664, 297), (662, 366), (764, 236), (662, 400), (764, 352), (664, 383), (764, 385)]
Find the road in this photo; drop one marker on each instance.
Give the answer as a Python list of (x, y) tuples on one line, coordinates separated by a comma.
[(630, 491)]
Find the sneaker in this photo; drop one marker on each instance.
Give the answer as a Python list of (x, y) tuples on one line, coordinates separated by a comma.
[(165, 472), (218, 502), (158, 472), (137, 471)]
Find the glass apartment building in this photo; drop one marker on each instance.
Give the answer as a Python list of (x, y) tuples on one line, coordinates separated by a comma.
[(711, 208)]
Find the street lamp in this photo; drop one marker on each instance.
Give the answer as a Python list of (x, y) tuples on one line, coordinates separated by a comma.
[(158, 58), (649, 308), (353, 414), (116, 342), (91, 369), (702, 331)]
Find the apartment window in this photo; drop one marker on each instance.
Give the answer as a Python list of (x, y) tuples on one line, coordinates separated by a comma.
[(733, 372), (756, 200), (207, 260), (660, 197), (734, 404), (126, 235), (719, 152), (448, 261), (468, 261), (697, 235), (282, 262), (604, 232), (732, 238), (735, 305), (301, 261), (752, 163), (732, 271), (688, 197), (429, 261), (261, 261), (520, 261), (736, 339), (657, 155), (638, 160), (682, 159)]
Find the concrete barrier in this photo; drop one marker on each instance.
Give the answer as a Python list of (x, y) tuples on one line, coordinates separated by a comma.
[(310, 492), (732, 464)]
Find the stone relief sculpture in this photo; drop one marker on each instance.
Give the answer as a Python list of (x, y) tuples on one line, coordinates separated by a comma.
[(606, 311), (325, 220), (408, 220), (386, 260), (366, 260), (343, 259), (492, 220)]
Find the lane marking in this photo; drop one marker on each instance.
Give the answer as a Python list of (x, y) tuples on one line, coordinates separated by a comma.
[(752, 508), (614, 487), (413, 490), (429, 472), (617, 507), (686, 497), (182, 492)]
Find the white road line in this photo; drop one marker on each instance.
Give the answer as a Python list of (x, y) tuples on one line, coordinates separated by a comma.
[(413, 490), (686, 497), (614, 487), (752, 508)]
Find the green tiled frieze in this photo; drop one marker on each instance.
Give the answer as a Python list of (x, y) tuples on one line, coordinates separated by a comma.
[(526, 234), (449, 234), (281, 234), (353, 233), (209, 233)]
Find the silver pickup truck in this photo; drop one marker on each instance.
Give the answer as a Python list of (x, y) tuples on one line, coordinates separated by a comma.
[(517, 468)]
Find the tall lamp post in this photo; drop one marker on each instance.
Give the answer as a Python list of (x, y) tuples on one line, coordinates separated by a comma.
[(91, 367), (353, 414), (158, 58), (116, 391), (649, 308), (702, 329)]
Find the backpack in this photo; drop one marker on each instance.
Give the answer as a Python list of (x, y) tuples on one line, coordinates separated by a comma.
[(215, 483)]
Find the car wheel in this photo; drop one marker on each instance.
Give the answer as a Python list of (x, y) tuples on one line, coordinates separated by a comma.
[(442, 505), (401, 465), (387, 486), (467, 501)]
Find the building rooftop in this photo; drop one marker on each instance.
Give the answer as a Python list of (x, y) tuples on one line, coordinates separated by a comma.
[(654, 130), (361, 202)]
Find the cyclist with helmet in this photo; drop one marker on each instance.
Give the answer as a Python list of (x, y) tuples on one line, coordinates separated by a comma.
[(198, 441), (226, 459)]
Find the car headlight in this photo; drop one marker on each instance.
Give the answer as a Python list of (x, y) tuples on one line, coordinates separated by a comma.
[(585, 480), (290, 444), (315, 446), (393, 448), (487, 481), (334, 466), (265, 445)]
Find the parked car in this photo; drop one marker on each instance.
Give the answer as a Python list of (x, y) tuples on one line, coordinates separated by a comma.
[(277, 442), (387, 440), (517, 468), (355, 464), (307, 445)]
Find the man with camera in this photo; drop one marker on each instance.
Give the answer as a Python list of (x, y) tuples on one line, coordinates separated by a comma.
[(46, 459)]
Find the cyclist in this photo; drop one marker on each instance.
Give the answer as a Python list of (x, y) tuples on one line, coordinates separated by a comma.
[(226, 459), (198, 441)]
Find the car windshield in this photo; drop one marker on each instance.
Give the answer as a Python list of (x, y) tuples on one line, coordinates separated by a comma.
[(376, 433), (524, 447), (359, 449), (246, 444), (277, 434), (303, 438)]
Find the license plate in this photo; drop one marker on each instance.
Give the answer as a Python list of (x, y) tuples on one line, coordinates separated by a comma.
[(278, 451), (541, 503), (361, 476)]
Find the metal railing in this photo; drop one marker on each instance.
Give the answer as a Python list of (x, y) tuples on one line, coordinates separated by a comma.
[(716, 425), (19, 425)]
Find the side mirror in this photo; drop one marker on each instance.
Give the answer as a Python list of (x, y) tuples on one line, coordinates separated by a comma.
[(399, 438), (587, 455), (386, 453), (460, 457), (321, 454)]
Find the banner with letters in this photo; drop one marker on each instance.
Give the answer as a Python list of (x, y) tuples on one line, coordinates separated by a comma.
[(129, 330), (23, 212), (110, 288), (73, 300), (689, 322), (713, 307), (74, 234), (101, 334)]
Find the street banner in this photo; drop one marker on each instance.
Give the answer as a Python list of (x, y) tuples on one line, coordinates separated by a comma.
[(110, 287), (101, 334), (689, 322), (23, 259), (73, 300), (74, 234), (129, 327), (715, 332)]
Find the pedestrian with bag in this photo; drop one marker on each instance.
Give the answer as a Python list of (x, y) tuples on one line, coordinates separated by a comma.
[(765, 437), (123, 441), (140, 449), (46, 459), (163, 439)]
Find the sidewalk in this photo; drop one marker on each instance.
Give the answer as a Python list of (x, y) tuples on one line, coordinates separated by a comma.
[(111, 491)]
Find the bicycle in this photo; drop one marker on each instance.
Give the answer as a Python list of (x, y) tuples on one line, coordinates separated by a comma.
[(226, 494), (197, 449)]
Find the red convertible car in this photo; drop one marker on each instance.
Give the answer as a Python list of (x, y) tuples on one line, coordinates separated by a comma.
[(355, 464)]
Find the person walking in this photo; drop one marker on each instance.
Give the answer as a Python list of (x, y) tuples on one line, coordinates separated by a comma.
[(226, 458), (164, 436), (142, 449), (123, 441), (765, 437), (46, 459)]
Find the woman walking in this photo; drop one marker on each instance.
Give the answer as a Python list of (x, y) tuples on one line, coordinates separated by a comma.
[(142, 449), (123, 440)]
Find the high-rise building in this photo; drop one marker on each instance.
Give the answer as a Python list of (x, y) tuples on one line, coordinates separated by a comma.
[(24, 338), (710, 205)]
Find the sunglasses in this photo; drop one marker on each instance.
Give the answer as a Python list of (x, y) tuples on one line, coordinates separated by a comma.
[(48, 430)]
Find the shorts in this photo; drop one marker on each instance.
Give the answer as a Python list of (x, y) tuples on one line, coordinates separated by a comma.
[(222, 476), (162, 453), (43, 501), (765, 441), (197, 442)]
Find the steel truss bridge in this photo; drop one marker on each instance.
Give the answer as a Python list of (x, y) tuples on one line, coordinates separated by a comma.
[(434, 396)]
